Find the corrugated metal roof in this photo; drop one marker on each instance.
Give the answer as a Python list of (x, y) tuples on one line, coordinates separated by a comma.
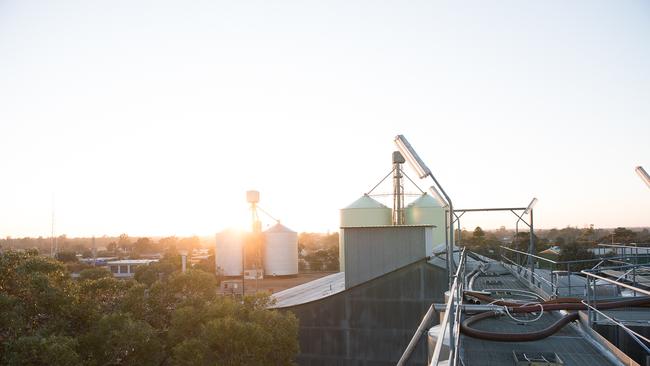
[(310, 291)]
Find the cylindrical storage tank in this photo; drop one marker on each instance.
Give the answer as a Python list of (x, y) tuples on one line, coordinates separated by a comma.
[(280, 251), (228, 253), (432, 339), (366, 211), (426, 210)]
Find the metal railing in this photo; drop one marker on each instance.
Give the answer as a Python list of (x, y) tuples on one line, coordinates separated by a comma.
[(593, 312), (569, 269), (450, 322)]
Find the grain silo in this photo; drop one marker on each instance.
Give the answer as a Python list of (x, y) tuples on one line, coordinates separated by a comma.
[(364, 212), (280, 251), (228, 253), (426, 210)]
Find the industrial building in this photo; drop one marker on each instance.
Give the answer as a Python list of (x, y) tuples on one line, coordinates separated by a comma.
[(407, 295), (366, 314)]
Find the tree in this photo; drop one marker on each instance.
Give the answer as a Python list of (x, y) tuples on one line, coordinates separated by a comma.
[(36, 350), (323, 259), (112, 247), (49, 319), (623, 235), (206, 265), (227, 333), (118, 339), (157, 270), (94, 273), (478, 235), (124, 243), (143, 245), (190, 243), (576, 251), (67, 256)]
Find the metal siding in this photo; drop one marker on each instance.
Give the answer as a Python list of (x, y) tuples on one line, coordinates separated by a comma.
[(373, 252), (372, 323)]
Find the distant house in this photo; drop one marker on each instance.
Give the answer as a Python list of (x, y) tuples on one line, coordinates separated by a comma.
[(554, 250), (125, 268)]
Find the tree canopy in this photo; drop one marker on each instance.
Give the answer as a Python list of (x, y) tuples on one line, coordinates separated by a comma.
[(48, 318)]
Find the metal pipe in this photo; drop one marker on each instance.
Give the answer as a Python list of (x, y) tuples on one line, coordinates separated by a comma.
[(450, 244), (531, 247), (416, 337)]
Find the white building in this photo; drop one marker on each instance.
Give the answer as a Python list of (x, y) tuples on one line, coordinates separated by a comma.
[(126, 268)]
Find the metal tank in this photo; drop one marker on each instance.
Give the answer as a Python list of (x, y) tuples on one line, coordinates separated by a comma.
[(228, 253), (280, 251), (426, 210), (364, 212), (432, 339)]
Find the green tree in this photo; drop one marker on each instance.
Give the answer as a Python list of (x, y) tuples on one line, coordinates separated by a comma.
[(143, 245), (206, 265), (227, 333), (67, 256), (576, 251), (118, 339), (158, 270), (37, 351), (50, 319), (623, 235), (94, 273), (478, 235)]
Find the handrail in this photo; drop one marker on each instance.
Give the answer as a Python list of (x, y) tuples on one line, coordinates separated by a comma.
[(629, 287), (531, 255), (427, 317), (623, 246), (576, 260), (447, 320), (416, 337), (629, 331)]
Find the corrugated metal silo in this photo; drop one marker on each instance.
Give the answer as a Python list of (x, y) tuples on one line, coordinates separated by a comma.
[(426, 210), (280, 251), (228, 253), (364, 212)]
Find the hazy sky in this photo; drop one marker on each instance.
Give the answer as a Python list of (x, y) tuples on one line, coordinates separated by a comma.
[(155, 117)]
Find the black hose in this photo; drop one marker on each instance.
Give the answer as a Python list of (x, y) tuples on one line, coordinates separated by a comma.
[(511, 337)]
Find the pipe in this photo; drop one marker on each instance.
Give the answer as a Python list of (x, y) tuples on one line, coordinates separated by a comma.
[(466, 329), (426, 320), (557, 304), (561, 303)]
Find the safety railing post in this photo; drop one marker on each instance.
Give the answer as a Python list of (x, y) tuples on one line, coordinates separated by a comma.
[(568, 273)]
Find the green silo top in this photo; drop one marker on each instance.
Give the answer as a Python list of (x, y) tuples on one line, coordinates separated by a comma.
[(425, 200), (365, 202)]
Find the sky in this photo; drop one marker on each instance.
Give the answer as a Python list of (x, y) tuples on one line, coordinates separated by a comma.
[(155, 117)]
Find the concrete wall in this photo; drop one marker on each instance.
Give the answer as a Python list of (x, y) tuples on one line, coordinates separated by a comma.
[(370, 324), (370, 252)]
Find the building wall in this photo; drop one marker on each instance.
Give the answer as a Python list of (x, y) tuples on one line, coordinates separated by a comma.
[(619, 338), (370, 252), (370, 324)]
